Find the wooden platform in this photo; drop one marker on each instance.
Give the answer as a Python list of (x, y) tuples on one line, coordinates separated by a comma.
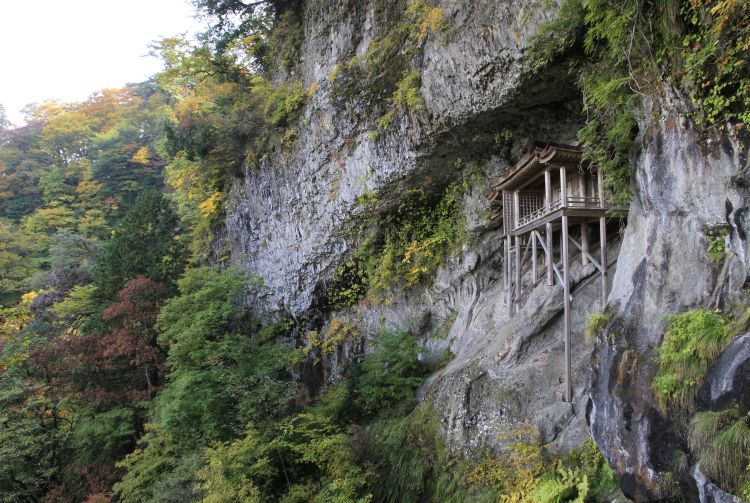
[(576, 213)]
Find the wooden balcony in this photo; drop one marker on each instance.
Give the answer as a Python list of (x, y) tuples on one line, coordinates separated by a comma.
[(575, 206)]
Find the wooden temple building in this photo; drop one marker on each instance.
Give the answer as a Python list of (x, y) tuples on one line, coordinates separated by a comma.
[(549, 196)]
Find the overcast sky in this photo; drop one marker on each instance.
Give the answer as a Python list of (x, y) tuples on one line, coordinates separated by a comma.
[(68, 49)]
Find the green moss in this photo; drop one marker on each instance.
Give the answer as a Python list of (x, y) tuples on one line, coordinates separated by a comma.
[(692, 342), (347, 287), (369, 199), (281, 102), (385, 122), (407, 95), (596, 323)]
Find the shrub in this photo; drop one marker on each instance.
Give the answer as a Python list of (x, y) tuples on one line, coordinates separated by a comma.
[(405, 455), (390, 374), (411, 242), (721, 442), (692, 342)]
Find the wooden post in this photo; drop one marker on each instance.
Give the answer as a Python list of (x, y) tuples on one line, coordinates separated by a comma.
[(602, 237), (518, 268), (566, 312), (509, 270), (505, 264), (563, 187), (585, 241), (516, 209), (548, 234), (533, 258), (584, 222)]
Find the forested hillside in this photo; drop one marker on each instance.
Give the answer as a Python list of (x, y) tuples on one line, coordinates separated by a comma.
[(213, 283)]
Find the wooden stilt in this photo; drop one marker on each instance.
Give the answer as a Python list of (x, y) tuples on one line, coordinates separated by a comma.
[(533, 259), (585, 241), (566, 312), (584, 222), (504, 245), (517, 266), (548, 230), (550, 256), (509, 270)]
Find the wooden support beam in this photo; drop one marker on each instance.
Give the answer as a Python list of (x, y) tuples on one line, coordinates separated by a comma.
[(509, 272), (548, 201), (566, 312), (550, 256), (587, 254), (516, 209), (585, 242), (533, 258), (558, 273), (525, 252), (540, 240), (555, 269), (506, 266), (563, 187), (517, 268)]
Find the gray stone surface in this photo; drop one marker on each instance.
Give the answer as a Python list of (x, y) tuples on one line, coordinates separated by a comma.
[(709, 492), (290, 221), (682, 188), (728, 380)]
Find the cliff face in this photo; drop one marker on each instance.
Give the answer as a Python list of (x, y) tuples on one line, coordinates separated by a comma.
[(684, 188), (294, 220), (290, 220)]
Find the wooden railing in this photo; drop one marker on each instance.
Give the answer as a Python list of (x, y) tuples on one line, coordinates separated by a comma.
[(572, 202)]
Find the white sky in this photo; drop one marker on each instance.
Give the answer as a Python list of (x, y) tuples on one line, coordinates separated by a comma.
[(68, 49)]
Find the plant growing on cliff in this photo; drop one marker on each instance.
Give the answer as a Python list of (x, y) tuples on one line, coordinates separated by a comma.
[(631, 47), (411, 242), (384, 74), (390, 374), (692, 342), (596, 323), (721, 442), (227, 114)]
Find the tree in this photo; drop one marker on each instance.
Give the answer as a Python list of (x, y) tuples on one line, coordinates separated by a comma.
[(20, 259), (232, 18), (146, 243), (4, 122)]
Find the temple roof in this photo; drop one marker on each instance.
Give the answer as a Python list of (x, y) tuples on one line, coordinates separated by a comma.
[(539, 156)]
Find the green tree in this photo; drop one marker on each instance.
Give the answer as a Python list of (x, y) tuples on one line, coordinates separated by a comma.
[(221, 371), (146, 243)]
